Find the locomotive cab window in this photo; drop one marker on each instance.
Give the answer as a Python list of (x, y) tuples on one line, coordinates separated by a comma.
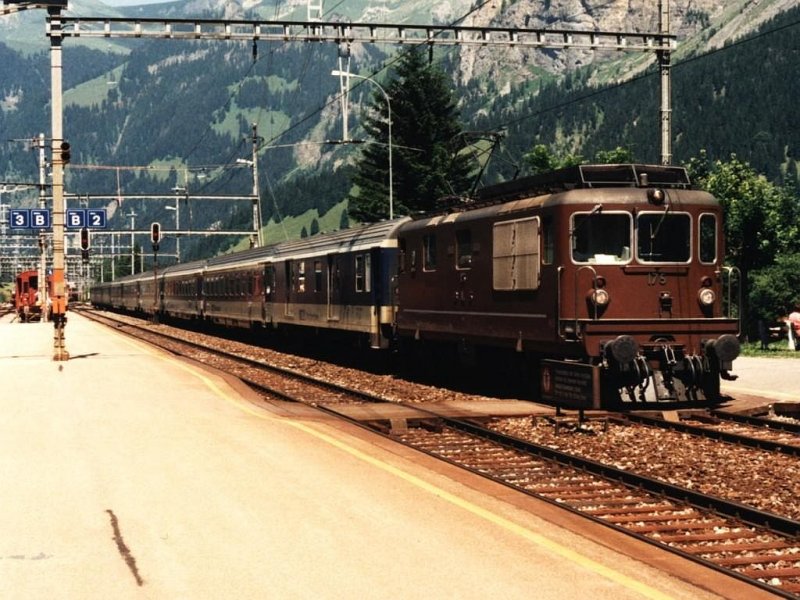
[(663, 237), (515, 255), (708, 238), (601, 238)]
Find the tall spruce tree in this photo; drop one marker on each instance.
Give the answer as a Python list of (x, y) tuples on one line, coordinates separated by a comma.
[(425, 162)]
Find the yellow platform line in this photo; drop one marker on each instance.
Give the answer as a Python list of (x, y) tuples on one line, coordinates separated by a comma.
[(523, 532)]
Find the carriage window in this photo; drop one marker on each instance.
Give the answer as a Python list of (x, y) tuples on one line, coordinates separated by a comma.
[(363, 273), (601, 238), (515, 255), (317, 275), (429, 253), (301, 276), (663, 237), (708, 238), (464, 249), (269, 281)]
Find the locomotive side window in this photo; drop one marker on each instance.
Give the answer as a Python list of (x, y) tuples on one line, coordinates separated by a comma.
[(515, 255), (601, 238), (401, 261), (663, 237), (429, 252), (363, 273), (548, 241), (464, 249), (708, 238)]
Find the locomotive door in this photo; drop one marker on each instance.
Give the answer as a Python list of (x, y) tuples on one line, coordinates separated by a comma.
[(334, 299)]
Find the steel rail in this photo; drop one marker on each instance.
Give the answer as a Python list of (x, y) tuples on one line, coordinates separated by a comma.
[(755, 421), (707, 432)]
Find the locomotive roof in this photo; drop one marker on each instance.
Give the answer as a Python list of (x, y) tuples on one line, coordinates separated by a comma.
[(619, 197), (587, 176)]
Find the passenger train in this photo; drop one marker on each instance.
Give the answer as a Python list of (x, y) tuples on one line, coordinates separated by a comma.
[(605, 281)]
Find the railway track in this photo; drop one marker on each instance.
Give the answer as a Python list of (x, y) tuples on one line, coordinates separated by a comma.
[(765, 434), (757, 546), (271, 380), (752, 545)]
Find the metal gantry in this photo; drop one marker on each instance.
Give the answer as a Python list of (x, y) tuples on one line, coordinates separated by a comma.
[(371, 33)]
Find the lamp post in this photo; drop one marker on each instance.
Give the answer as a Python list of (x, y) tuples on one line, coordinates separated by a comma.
[(177, 209), (338, 73), (132, 215)]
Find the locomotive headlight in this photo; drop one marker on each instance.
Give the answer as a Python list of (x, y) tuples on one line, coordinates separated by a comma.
[(706, 296), (599, 297)]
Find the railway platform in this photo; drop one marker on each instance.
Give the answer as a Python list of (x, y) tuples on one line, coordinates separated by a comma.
[(129, 473)]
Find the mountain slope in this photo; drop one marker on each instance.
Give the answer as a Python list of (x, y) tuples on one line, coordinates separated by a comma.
[(185, 109)]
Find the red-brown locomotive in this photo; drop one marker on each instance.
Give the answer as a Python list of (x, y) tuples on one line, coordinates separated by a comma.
[(605, 281)]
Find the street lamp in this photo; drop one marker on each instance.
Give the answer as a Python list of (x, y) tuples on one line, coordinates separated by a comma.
[(177, 208), (338, 73)]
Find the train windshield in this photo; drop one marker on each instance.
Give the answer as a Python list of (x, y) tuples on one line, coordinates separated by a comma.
[(663, 237), (601, 238)]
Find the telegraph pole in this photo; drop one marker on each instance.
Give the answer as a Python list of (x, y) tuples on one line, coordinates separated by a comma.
[(256, 197), (59, 300)]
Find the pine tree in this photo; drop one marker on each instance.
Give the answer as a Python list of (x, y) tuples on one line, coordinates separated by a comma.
[(425, 164)]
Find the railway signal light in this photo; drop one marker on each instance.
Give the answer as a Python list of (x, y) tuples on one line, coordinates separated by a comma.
[(65, 153), (155, 234), (85, 243)]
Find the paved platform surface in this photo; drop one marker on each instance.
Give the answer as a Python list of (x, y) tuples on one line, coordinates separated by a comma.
[(127, 473), (775, 378)]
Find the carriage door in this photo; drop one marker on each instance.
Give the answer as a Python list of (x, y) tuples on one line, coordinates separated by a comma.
[(291, 281), (334, 288)]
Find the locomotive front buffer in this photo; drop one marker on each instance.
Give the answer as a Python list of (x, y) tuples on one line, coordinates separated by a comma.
[(629, 374)]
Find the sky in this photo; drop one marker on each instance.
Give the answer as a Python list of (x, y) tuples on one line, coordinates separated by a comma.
[(131, 2)]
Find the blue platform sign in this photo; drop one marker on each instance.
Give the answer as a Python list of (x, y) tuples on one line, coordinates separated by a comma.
[(40, 218), (19, 218), (76, 218), (96, 218)]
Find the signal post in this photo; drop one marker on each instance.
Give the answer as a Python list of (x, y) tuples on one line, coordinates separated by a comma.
[(155, 238)]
